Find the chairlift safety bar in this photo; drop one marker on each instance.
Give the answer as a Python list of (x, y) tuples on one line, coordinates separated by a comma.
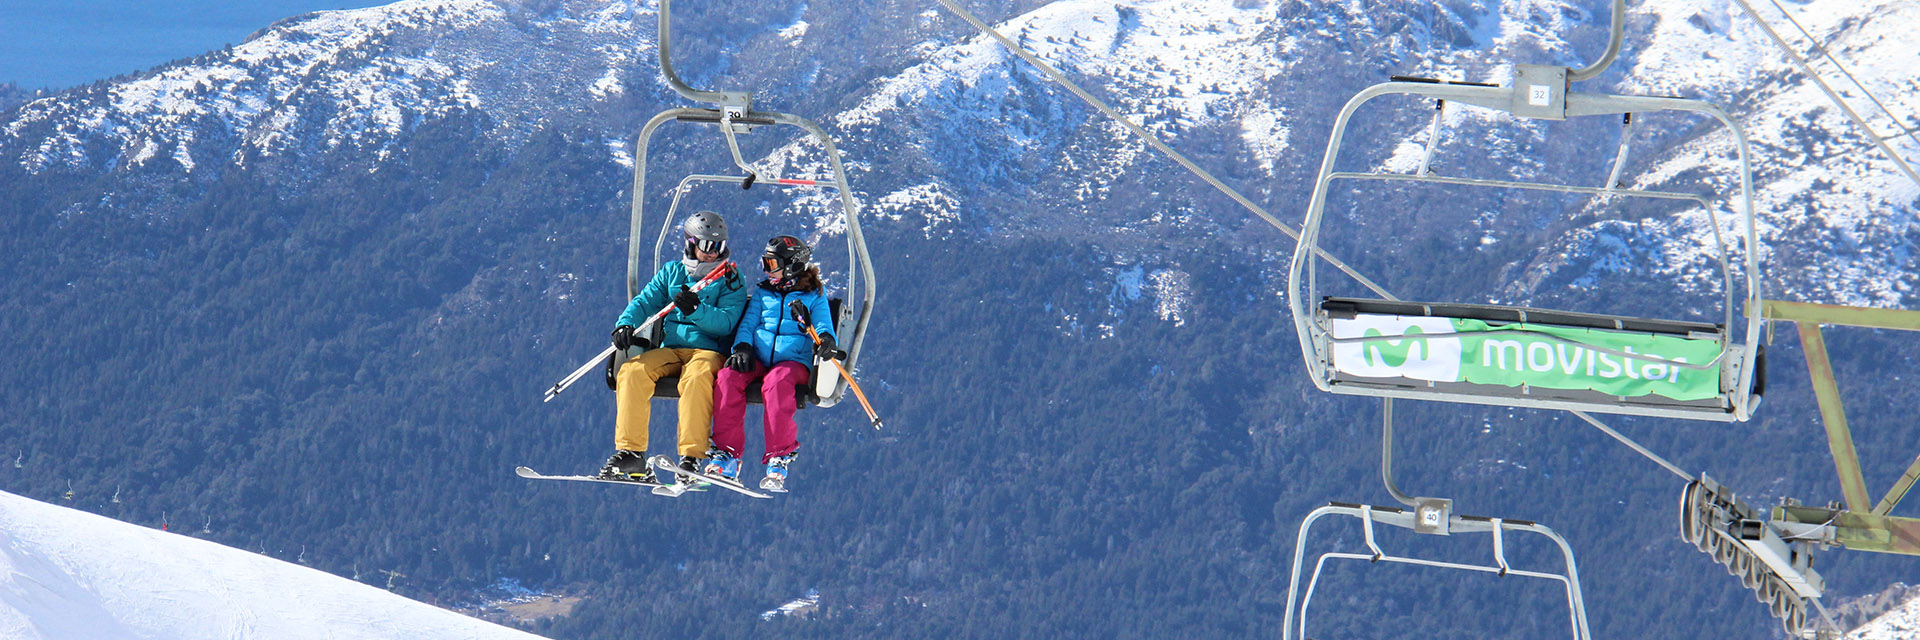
[(686, 186)]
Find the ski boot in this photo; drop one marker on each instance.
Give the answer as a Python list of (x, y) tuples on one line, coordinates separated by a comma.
[(682, 484), (628, 465), (723, 464), (693, 464), (776, 480)]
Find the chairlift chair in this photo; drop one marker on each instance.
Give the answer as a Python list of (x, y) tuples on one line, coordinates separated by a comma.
[(1390, 348), (1396, 349), (733, 116)]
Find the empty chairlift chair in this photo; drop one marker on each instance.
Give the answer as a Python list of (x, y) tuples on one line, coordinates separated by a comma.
[(1518, 356), (1505, 355)]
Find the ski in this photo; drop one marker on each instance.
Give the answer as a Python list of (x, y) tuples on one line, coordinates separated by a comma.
[(661, 463), (530, 474)]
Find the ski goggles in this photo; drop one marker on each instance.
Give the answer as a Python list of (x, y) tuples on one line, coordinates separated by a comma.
[(771, 264), (705, 246)]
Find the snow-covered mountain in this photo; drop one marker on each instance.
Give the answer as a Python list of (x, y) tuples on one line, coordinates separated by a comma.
[(316, 82), (969, 138), (1898, 624), (1248, 87), (1837, 216), (71, 575)]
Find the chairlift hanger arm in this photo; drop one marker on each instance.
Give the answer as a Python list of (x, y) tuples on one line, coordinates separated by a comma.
[(741, 99), (716, 116), (1618, 28)]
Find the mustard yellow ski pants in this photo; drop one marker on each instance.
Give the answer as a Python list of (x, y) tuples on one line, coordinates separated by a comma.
[(633, 390)]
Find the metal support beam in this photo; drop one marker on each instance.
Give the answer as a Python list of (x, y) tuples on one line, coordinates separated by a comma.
[(1808, 317), (1808, 312), (1846, 460), (1859, 531), (1899, 489)]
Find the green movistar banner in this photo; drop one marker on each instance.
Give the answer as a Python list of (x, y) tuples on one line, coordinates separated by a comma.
[(1510, 355)]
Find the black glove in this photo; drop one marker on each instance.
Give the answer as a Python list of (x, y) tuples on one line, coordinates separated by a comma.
[(742, 358), (827, 350), (686, 300), (801, 312), (624, 339)]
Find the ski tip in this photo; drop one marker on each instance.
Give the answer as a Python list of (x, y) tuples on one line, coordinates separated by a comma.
[(525, 472)]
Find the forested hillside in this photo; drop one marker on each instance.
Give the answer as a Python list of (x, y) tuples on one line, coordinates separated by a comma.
[(1096, 425)]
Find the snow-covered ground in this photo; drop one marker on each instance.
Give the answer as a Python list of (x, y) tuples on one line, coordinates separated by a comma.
[(72, 575), (1899, 624)]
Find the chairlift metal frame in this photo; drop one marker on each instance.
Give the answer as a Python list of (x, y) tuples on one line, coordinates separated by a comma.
[(1427, 519), (1537, 92), (733, 115)]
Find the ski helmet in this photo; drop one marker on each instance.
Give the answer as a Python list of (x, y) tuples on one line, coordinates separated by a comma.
[(705, 231), (786, 255)]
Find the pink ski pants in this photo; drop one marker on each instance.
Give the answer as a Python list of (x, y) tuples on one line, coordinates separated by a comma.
[(776, 390)]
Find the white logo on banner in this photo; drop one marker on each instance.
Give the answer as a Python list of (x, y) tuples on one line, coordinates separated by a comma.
[(1435, 359)]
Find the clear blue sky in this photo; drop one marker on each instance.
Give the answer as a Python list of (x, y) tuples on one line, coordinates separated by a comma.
[(55, 44)]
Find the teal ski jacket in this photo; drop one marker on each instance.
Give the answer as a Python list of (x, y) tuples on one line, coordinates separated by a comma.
[(709, 326)]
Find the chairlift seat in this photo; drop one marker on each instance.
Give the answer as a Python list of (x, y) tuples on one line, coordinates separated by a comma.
[(804, 395)]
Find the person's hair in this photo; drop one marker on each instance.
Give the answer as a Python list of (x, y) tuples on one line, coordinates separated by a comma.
[(808, 280)]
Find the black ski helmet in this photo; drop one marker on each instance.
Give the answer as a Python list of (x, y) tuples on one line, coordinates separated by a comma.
[(786, 255), (705, 230)]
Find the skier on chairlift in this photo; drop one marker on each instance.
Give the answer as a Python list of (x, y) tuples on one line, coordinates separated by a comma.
[(693, 338), (773, 348)]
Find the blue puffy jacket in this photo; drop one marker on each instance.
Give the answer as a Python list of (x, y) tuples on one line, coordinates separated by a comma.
[(713, 321), (772, 331)]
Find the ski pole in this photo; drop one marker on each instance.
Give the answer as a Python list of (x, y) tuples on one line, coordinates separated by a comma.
[(575, 376), (571, 378), (855, 386)]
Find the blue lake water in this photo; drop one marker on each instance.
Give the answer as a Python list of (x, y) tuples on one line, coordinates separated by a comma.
[(55, 44)]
